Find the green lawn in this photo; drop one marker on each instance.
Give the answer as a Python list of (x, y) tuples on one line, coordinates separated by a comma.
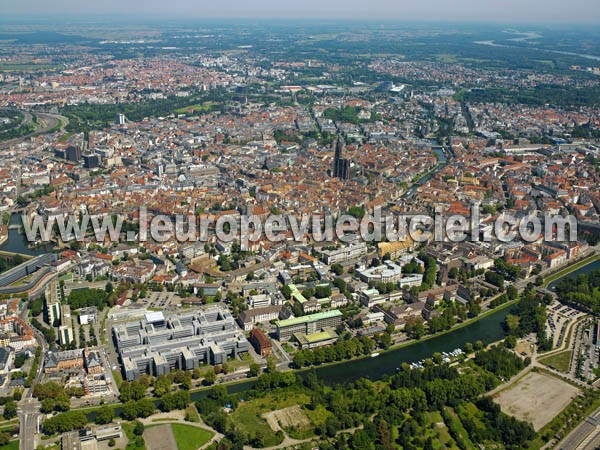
[(460, 429), (189, 437), (132, 445), (247, 416), (561, 361), (193, 108), (12, 445)]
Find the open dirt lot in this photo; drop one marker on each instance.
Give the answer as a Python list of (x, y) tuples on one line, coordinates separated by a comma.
[(287, 417), (160, 438), (536, 398)]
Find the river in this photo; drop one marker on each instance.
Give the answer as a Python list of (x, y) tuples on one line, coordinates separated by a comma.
[(17, 241), (581, 271), (488, 329)]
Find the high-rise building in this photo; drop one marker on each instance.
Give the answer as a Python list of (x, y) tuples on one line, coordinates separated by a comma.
[(341, 166), (73, 153), (91, 161), (52, 307), (120, 119)]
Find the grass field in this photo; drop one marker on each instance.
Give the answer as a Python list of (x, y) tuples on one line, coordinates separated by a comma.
[(434, 428), (189, 437), (560, 361), (536, 398), (131, 437), (160, 437), (457, 424), (442, 430), (193, 108), (12, 445), (249, 415)]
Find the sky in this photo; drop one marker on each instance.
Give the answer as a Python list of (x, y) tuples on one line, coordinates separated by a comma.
[(572, 11)]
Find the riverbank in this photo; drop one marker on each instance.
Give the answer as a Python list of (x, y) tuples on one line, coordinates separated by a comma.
[(487, 327), (569, 269)]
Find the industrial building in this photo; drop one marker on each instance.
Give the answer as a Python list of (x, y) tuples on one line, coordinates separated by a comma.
[(157, 344)]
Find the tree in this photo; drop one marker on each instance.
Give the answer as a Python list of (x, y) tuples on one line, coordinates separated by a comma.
[(322, 291), (17, 395), (254, 370), (20, 359), (61, 423), (510, 341), (337, 268), (138, 428), (512, 323), (210, 377), (271, 365), (104, 415), (112, 442), (10, 410), (286, 291)]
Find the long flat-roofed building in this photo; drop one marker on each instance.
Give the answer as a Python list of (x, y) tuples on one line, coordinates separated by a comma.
[(157, 344), (345, 253), (308, 324)]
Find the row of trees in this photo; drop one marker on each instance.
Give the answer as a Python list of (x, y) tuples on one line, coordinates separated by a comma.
[(341, 350), (67, 421), (582, 291)]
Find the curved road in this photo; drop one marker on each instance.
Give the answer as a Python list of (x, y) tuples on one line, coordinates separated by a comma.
[(46, 122)]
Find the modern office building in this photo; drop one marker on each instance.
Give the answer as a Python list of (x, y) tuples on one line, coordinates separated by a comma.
[(388, 272), (91, 161), (157, 344), (88, 315), (308, 324), (73, 153), (345, 253), (52, 305), (65, 334)]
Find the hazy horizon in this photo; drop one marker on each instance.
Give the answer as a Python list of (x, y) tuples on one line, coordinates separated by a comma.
[(531, 11)]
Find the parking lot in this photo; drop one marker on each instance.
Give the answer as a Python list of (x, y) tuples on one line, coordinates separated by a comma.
[(161, 300), (559, 316)]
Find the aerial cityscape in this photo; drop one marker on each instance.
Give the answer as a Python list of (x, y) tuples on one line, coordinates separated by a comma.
[(299, 226)]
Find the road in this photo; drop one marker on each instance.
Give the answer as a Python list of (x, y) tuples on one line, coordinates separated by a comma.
[(29, 418), (29, 407), (583, 434), (46, 122)]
